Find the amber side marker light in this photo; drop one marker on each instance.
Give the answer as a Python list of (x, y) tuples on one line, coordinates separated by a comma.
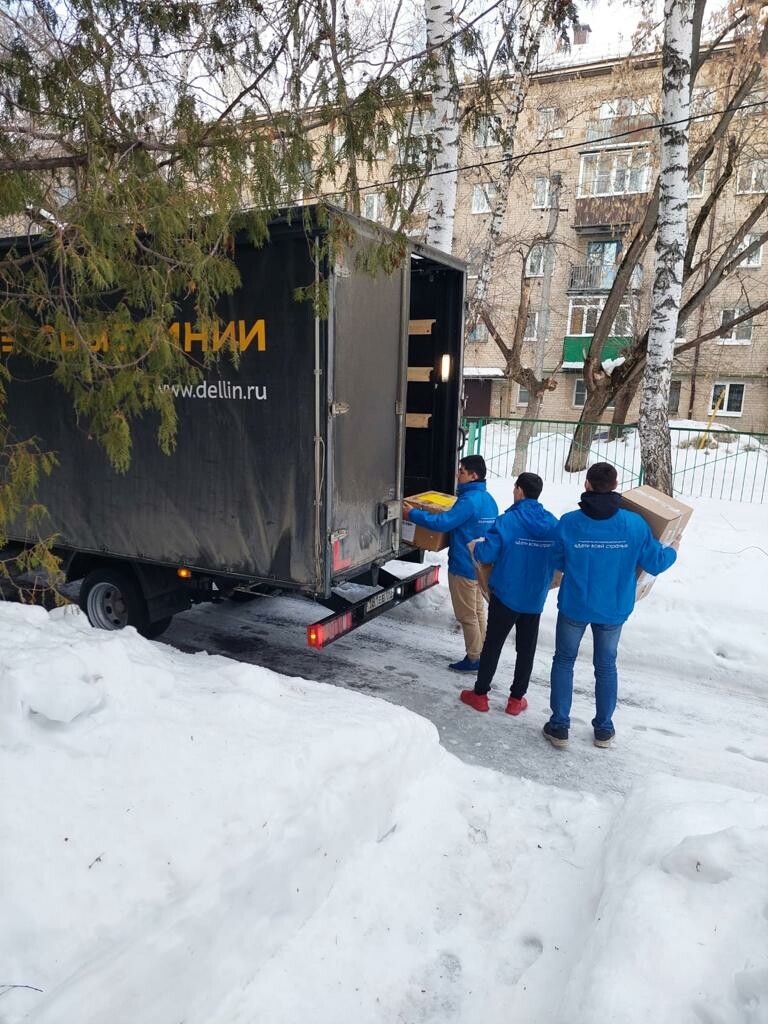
[(184, 573)]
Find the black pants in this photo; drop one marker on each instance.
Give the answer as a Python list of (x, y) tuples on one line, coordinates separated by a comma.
[(500, 621)]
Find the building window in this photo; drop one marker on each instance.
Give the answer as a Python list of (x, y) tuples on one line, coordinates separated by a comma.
[(585, 311), (523, 395), (534, 264), (753, 177), (338, 146), (373, 205), (482, 198), (615, 172), (580, 394), (740, 334), (696, 184), (416, 194), (478, 334), (486, 132), (673, 405), (549, 123), (702, 101), (531, 326), (729, 399), (541, 194), (755, 258), (625, 106)]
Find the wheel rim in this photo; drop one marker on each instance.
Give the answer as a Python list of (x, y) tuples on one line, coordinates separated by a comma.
[(106, 607)]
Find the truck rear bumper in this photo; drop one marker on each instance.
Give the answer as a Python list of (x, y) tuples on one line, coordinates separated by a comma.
[(393, 591)]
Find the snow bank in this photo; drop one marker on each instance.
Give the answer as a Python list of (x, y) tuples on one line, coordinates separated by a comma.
[(681, 931), (192, 839)]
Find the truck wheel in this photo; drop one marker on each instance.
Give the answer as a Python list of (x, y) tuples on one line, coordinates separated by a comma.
[(112, 600)]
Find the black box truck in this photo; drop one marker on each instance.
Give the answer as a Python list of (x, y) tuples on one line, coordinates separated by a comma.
[(291, 466)]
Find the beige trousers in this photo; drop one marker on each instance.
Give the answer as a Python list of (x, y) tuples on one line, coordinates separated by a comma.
[(469, 609)]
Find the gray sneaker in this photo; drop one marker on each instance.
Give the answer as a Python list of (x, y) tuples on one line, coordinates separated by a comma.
[(556, 734), (604, 737)]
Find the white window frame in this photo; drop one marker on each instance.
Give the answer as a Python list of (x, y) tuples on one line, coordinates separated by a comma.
[(727, 385), (479, 335), (484, 136), (483, 196), (542, 193), (702, 100), (531, 322), (522, 395), (338, 145), (697, 184), (580, 405), (549, 123), (376, 201), (752, 177), (755, 259), (639, 153), (624, 106), (596, 302), (732, 339), (535, 267)]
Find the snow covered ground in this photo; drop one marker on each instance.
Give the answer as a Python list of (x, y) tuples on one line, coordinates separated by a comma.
[(707, 461), (192, 838)]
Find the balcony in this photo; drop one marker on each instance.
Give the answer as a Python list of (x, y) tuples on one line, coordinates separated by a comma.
[(612, 130), (608, 214), (576, 346), (597, 278)]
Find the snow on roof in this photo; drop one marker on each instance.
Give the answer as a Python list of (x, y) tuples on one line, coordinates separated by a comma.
[(483, 371)]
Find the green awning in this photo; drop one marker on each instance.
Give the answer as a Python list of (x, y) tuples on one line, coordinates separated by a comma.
[(575, 348)]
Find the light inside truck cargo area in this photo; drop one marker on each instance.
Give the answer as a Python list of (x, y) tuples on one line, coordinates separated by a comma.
[(321, 633), (429, 579)]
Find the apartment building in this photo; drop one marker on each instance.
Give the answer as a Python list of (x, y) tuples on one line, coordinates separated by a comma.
[(589, 129)]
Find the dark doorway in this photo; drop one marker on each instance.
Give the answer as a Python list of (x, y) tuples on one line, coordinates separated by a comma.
[(477, 397)]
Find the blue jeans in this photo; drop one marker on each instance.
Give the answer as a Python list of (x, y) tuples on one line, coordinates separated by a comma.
[(567, 640)]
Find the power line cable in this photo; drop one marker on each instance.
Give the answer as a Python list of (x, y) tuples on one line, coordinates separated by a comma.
[(540, 152)]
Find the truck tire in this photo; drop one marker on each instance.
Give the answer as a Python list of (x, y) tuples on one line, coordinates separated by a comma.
[(113, 600)]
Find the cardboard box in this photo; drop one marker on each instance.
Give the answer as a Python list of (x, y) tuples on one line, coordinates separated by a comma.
[(483, 572), (667, 518), (420, 536)]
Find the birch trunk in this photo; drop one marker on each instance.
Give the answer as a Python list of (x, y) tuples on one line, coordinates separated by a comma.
[(441, 209), (671, 243)]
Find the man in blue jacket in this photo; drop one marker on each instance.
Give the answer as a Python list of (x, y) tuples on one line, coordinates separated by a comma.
[(469, 518), (521, 545), (600, 548)]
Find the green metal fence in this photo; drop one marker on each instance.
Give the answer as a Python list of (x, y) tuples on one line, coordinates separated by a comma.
[(716, 463)]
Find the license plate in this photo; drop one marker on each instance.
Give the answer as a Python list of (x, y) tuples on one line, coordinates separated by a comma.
[(379, 599)]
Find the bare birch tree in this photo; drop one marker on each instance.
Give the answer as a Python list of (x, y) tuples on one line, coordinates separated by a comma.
[(441, 202), (671, 241)]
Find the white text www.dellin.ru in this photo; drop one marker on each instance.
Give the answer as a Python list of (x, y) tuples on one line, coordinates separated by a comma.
[(220, 389)]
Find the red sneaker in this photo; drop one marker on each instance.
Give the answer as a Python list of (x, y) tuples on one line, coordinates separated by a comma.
[(478, 701), (515, 706)]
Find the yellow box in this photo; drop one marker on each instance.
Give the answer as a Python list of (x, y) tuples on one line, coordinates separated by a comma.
[(420, 536)]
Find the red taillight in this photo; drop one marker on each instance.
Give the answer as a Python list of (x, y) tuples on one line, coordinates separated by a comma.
[(321, 633), (429, 579)]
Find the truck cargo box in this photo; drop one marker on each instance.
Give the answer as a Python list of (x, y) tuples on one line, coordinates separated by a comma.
[(290, 467)]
